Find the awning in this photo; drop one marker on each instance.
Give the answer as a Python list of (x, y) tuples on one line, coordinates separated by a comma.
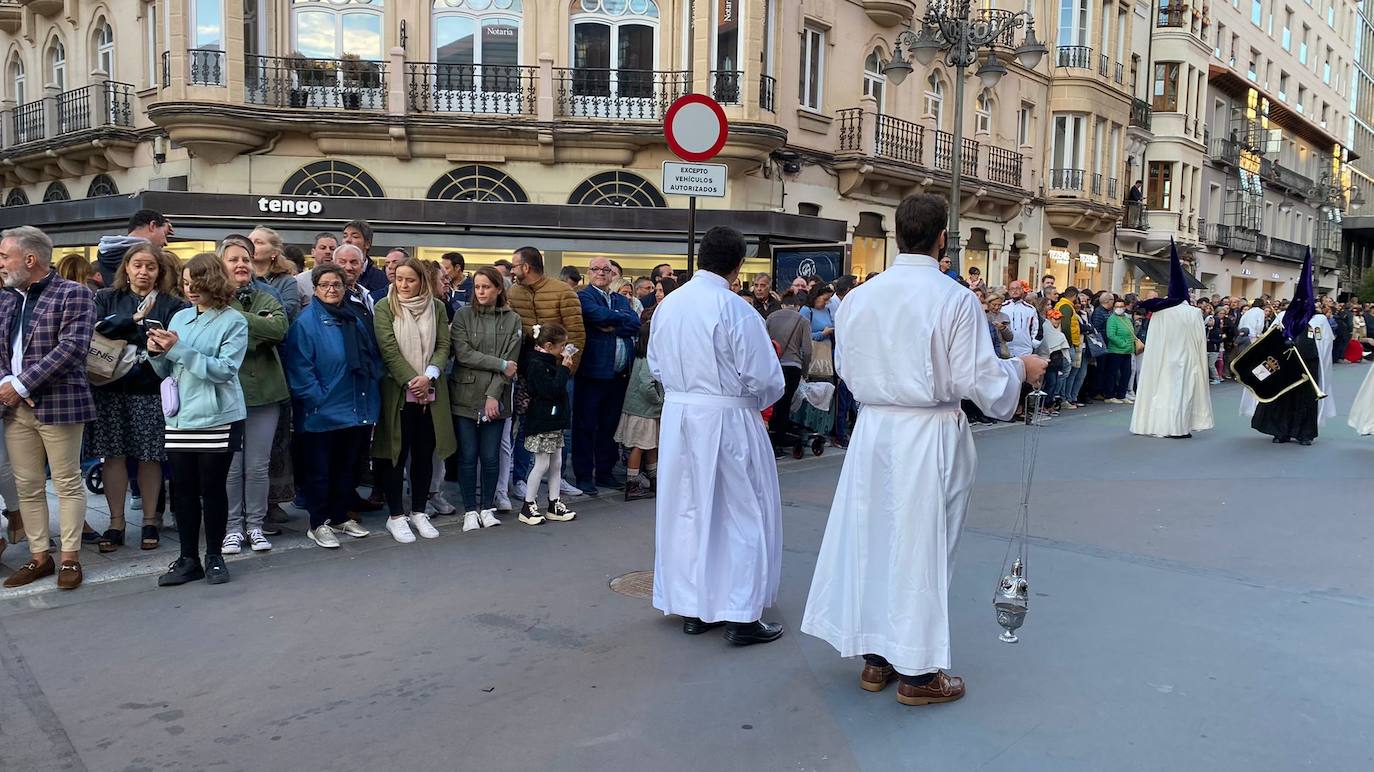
[(1158, 271)]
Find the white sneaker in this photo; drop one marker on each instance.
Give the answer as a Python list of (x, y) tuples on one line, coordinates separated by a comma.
[(258, 542), (1112, 401), (400, 529), (440, 505), (233, 544), (352, 528), (1130, 400), (566, 488), (488, 518), (136, 503), (470, 522), (502, 502), (324, 536), (520, 489), (421, 522)]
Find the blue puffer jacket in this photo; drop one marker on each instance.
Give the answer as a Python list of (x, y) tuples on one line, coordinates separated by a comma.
[(329, 396), (598, 312)]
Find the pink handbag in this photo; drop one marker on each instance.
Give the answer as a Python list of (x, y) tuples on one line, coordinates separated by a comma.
[(171, 397)]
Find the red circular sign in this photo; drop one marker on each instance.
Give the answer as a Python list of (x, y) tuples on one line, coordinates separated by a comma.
[(695, 127)]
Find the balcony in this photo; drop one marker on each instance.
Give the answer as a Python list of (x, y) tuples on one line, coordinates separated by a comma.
[(1225, 151), (206, 67), (11, 16), (1133, 218), (1284, 176), (43, 7), (767, 93), (1004, 166), (1174, 15), (725, 86), (103, 105), (474, 89), (1066, 181), (897, 139), (1140, 114), (627, 95), (1287, 249), (322, 84), (1074, 57)]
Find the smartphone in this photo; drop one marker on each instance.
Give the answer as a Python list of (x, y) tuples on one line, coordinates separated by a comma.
[(152, 324), (569, 350)]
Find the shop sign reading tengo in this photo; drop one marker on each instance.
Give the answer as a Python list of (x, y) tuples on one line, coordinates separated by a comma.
[(301, 207)]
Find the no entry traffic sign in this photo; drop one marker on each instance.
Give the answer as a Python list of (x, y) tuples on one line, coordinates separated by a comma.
[(695, 127)]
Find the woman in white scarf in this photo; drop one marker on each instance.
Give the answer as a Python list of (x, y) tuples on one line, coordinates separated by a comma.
[(413, 336)]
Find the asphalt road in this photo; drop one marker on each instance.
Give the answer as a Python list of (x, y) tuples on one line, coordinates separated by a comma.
[(1198, 605)]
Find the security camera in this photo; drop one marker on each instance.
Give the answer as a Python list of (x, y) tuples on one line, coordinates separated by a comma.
[(159, 149)]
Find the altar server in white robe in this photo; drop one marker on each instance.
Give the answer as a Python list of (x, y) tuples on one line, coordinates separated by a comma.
[(719, 526), (1320, 330), (1253, 320), (1173, 397), (911, 344), (1362, 410)]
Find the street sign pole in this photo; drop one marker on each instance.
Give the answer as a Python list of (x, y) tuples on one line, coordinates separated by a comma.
[(696, 130)]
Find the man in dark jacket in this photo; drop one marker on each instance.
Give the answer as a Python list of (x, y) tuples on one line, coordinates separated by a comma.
[(762, 297), (359, 234), (145, 225), (599, 390), (1101, 313)]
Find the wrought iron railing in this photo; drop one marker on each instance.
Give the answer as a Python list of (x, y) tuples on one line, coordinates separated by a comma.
[(28, 122), (207, 67), (767, 92), (1007, 39), (1004, 166), (1120, 75), (119, 103), (850, 121), (1111, 188), (617, 94), (487, 89), (166, 69), (1103, 64), (349, 84), (1140, 113), (1078, 57), (898, 139), (725, 86), (74, 110), (1067, 179), (1097, 184), (944, 154)]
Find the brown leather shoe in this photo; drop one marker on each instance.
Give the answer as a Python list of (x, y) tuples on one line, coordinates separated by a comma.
[(30, 572), (69, 575), (942, 688), (875, 678)]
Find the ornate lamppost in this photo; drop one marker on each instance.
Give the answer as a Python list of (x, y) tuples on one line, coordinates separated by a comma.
[(959, 31)]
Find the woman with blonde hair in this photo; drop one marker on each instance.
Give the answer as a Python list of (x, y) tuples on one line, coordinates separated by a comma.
[(75, 266), (271, 267)]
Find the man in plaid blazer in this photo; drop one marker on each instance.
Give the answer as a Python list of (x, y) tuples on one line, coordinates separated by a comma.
[(45, 398)]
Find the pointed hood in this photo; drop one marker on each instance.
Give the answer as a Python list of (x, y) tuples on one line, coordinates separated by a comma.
[(1304, 305), (1178, 285)]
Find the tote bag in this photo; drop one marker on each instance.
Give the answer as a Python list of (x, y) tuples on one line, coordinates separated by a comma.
[(822, 360)]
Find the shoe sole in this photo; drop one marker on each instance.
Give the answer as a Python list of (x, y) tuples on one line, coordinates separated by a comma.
[(704, 629), (918, 701), (257, 549), (217, 578), (179, 582), (237, 551), (750, 641), (317, 542), (876, 686), (560, 519), (531, 521)]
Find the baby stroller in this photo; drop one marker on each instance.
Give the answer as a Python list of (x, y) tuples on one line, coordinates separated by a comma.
[(794, 438), (812, 416)]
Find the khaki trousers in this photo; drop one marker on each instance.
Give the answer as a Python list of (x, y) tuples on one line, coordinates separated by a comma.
[(35, 447)]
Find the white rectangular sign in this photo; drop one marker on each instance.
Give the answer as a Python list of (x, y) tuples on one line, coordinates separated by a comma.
[(681, 178)]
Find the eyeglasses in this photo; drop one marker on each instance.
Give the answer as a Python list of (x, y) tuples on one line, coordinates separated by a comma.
[(598, 270), (329, 286)]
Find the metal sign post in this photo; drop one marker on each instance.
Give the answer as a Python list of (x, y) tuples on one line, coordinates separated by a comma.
[(695, 129)]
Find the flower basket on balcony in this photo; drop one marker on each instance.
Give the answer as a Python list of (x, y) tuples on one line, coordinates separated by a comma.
[(310, 74)]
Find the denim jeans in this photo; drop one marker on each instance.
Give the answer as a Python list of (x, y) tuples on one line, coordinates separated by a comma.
[(247, 486), (478, 443), (1076, 378)]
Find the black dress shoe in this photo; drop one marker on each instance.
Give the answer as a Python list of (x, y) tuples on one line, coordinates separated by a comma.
[(748, 633), (694, 626), (181, 571), (1304, 443), (1279, 440), (215, 570)]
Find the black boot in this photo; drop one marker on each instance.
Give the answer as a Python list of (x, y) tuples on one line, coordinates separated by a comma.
[(748, 633), (181, 571), (694, 626)]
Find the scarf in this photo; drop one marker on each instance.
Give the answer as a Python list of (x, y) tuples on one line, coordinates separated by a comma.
[(413, 322), (359, 351)]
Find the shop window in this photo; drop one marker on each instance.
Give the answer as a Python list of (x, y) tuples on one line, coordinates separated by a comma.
[(56, 192), (17, 197), (332, 178), (618, 188), (476, 182), (102, 185)]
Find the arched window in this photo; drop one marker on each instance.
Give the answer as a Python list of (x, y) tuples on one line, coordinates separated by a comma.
[(57, 65), (477, 56), (617, 189), (935, 98), (614, 47), (102, 44), (476, 182), (16, 73), (102, 185), (332, 178), (328, 29), (982, 120), (17, 197), (874, 79), (56, 192)]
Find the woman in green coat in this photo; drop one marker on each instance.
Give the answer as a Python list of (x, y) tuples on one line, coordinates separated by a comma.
[(413, 336), (486, 345)]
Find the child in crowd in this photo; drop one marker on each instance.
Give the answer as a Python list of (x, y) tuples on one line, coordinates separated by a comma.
[(546, 370), (638, 429), (1055, 346)]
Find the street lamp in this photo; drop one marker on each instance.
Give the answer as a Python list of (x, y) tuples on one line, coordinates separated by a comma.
[(961, 32)]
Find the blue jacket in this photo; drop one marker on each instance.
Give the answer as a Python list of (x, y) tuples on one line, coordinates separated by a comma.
[(205, 364), (605, 324), (819, 319), (373, 278), (328, 396)]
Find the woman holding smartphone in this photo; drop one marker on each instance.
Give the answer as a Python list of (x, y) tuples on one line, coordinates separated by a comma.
[(486, 345), (413, 335)]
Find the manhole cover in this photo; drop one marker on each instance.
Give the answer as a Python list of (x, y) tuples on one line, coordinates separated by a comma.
[(636, 584)]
